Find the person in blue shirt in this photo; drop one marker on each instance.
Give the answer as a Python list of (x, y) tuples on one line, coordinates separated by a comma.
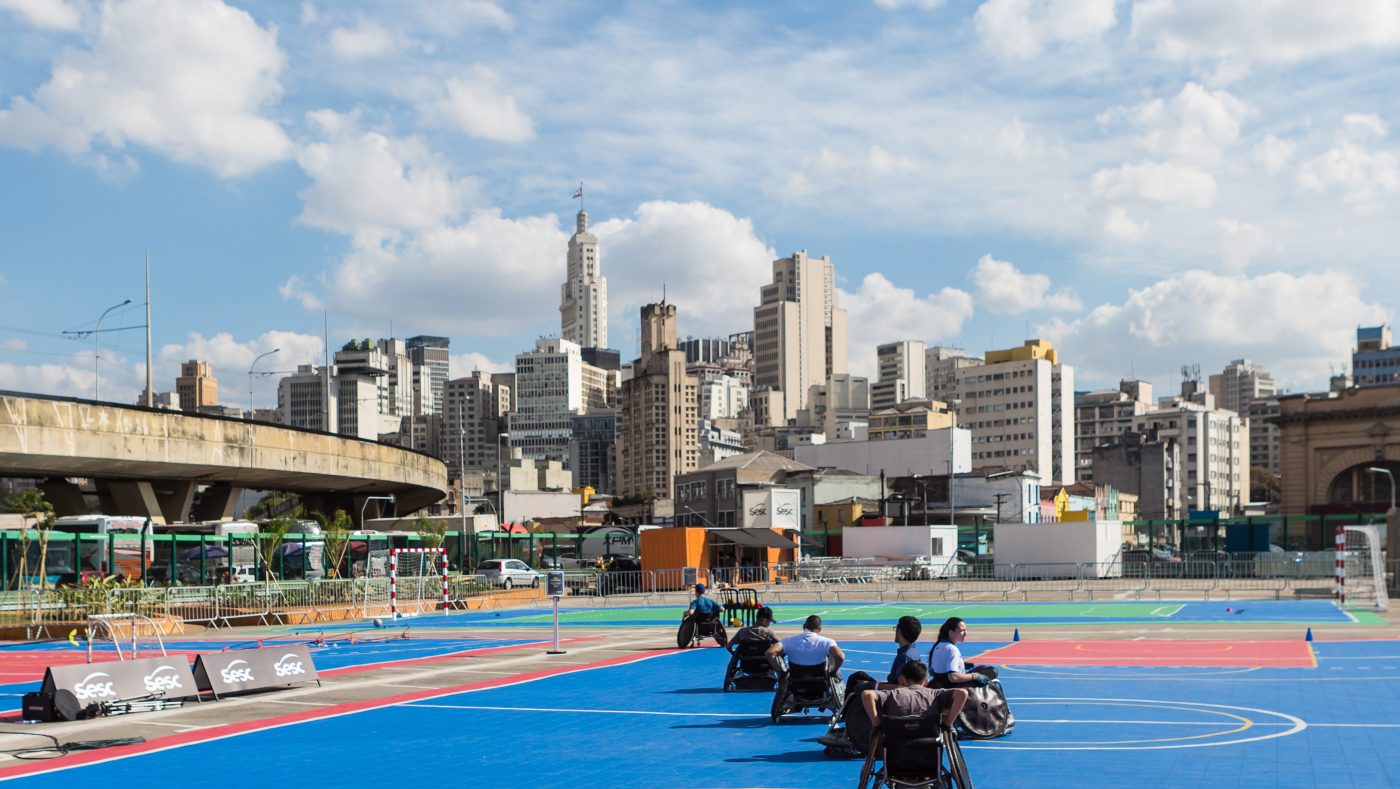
[(906, 633), (704, 606)]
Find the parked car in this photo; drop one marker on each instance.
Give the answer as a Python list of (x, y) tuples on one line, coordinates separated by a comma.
[(508, 573)]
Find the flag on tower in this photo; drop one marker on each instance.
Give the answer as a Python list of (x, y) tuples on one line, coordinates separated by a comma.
[(579, 193)]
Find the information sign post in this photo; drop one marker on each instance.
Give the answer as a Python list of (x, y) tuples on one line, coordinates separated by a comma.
[(554, 587)]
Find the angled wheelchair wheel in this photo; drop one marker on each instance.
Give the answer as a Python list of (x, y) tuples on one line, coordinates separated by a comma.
[(729, 674), (776, 711), (685, 636), (869, 776), (957, 766)]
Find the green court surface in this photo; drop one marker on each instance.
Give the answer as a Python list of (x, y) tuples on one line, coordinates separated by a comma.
[(986, 614)]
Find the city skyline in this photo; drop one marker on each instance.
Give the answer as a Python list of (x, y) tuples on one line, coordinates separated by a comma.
[(1144, 184)]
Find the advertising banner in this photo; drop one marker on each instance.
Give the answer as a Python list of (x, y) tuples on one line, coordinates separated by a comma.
[(121, 680), (254, 669)]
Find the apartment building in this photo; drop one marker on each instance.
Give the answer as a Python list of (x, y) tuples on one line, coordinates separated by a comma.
[(552, 385), (197, 386), (799, 330), (1214, 447), (941, 365), (431, 356), (1018, 405), (1102, 416), (659, 413), (902, 374)]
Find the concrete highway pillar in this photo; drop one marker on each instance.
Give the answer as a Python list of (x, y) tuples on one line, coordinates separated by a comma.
[(133, 498), (66, 498), (217, 503), (175, 500)]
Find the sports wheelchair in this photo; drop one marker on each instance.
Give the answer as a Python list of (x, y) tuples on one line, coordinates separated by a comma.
[(914, 753), (801, 688), (748, 666), (698, 627)]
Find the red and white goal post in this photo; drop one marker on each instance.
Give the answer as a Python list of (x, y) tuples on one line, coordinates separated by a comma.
[(415, 575), (1357, 551)]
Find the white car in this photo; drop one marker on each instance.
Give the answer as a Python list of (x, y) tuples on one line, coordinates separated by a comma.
[(508, 573)]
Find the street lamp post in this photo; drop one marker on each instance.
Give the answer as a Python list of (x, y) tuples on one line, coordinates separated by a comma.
[(256, 359), (96, 340), (500, 482), (368, 499), (1389, 476), (952, 462)]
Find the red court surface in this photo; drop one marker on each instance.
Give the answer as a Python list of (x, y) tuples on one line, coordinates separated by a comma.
[(1213, 654), (29, 666)]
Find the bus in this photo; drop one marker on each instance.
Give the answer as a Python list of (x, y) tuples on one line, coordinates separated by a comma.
[(120, 554), (227, 555)]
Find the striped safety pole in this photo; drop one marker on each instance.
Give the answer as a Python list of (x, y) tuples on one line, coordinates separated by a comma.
[(393, 584), (442, 556), (1341, 547)]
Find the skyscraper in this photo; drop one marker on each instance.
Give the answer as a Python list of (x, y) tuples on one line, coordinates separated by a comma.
[(659, 416), (432, 354), (1241, 383), (583, 298), (799, 332), (196, 386)]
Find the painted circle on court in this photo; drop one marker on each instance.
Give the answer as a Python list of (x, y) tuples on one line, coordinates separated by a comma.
[(1238, 725)]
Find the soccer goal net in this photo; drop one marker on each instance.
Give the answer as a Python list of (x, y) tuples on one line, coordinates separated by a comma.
[(417, 580), (1360, 568)]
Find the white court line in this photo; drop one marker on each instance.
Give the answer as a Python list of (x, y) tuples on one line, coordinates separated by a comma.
[(490, 708), (1321, 658)]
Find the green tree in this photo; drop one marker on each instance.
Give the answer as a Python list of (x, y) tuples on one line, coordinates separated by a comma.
[(25, 502), (431, 532), (336, 532), (270, 541)]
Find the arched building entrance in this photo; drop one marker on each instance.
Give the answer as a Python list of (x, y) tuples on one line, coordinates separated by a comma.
[(1328, 441)]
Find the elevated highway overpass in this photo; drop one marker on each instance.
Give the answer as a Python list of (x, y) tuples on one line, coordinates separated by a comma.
[(175, 466)]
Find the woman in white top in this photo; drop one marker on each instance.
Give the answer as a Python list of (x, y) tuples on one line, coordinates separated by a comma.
[(945, 661)]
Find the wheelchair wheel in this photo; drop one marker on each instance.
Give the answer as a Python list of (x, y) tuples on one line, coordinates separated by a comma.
[(776, 712), (685, 636), (869, 776), (957, 767), (729, 674)]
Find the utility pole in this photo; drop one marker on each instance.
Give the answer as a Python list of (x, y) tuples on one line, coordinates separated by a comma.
[(1000, 497)]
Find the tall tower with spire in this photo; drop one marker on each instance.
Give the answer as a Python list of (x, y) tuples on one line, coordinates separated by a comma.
[(583, 298)]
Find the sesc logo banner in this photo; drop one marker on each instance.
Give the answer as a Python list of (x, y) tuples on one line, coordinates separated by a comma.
[(253, 669), (166, 677), (93, 687), (236, 672)]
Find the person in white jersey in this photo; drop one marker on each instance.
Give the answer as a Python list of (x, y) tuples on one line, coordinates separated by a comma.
[(811, 648)]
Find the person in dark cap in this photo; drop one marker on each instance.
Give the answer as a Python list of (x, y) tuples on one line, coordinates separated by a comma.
[(703, 606)]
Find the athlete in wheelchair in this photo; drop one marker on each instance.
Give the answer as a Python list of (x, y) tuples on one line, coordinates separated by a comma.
[(913, 746), (809, 672), (701, 621), (749, 668)]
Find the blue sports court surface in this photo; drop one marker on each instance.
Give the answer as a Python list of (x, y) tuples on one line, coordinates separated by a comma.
[(657, 718)]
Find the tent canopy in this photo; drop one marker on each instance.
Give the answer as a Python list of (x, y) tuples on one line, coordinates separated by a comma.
[(754, 538)]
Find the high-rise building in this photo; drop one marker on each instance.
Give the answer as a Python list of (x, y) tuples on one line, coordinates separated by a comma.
[(196, 386), (1214, 447), (432, 355), (1019, 407), (472, 422), (306, 397), (583, 298), (1265, 449), (552, 385), (1102, 416), (658, 413), (591, 449), (941, 365), (799, 331), (1239, 384), (843, 399), (902, 375), (1376, 360)]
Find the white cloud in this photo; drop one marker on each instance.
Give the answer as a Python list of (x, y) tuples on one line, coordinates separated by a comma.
[(1022, 29), (1364, 175), (1275, 31), (366, 40), (230, 359), (13, 345), (1118, 225), (461, 365), (1197, 124), (1239, 243), (1003, 288), (368, 182), (294, 288), (487, 276), (925, 4), (1294, 325), (187, 78), (1274, 152), (709, 261), (71, 378), (476, 105), (48, 14), (450, 16), (1363, 127), (1158, 183), (881, 312), (832, 169)]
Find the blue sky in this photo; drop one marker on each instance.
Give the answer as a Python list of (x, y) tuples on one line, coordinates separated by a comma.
[(1146, 183)]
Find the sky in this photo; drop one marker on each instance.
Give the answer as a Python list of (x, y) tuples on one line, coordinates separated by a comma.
[(1145, 183)]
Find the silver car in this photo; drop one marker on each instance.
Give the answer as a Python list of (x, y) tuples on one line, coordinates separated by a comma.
[(508, 573)]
